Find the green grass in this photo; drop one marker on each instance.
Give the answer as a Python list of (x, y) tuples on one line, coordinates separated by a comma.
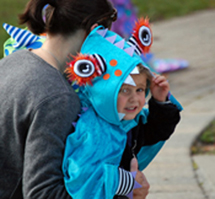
[(155, 9), (9, 10), (205, 143), (208, 136), (165, 9)]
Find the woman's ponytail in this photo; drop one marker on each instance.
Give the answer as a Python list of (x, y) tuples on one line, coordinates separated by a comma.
[(32, 16)]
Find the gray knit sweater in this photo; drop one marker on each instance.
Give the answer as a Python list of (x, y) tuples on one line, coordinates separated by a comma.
[(37, 108)]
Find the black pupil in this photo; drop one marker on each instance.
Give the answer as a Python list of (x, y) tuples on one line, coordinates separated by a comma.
[(85, 68), (145, 35)]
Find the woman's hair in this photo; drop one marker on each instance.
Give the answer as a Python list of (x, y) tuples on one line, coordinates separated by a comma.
[(67, 16)]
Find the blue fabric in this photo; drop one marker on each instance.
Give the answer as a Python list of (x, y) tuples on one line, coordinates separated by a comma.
[(175, 101), (92, 156), (147, 154)]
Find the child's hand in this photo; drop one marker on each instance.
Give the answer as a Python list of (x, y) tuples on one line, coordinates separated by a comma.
[(142, 192), (159, 88)]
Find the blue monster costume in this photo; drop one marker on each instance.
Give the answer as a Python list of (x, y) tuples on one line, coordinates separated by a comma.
[(93, 152)]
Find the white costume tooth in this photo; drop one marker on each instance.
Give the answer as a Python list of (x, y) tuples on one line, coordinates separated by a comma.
[(121, 116), (135, 71), (129, 80)]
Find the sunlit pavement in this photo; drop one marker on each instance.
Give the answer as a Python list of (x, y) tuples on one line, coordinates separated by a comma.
[(174, 174)]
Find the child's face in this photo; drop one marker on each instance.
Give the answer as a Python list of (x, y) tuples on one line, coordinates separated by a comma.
[(131, 99)]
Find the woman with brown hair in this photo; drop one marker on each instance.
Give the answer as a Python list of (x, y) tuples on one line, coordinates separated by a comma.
[(37, 104)]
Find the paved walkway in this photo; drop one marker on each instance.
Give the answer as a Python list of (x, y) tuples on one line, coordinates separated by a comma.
[(172, 174)]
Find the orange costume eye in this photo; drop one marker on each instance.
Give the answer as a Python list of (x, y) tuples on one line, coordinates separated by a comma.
[(84, 68), (142, 37)]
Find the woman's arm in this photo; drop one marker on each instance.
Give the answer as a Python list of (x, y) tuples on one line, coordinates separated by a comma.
[(50, 125)]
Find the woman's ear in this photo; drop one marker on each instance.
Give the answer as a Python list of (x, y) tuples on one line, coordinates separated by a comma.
[(93, 26)]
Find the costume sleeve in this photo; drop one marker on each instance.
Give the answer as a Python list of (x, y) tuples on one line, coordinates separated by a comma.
[(45, 143), (92, 157), (126, 183), (161, 122)]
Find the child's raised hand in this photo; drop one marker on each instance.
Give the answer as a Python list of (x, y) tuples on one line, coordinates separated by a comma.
[(159, 88)]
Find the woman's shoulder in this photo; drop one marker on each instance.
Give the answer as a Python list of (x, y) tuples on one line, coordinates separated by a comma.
[(26, 73)]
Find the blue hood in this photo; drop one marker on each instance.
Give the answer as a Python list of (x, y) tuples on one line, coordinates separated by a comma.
[(120, 61)]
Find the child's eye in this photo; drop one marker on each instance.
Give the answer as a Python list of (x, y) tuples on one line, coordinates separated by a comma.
[(140, 90), (124, 90)]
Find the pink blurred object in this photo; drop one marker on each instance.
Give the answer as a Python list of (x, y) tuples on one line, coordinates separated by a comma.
[(169, 65)]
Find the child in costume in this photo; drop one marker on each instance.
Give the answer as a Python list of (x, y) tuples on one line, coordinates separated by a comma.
[(108, 72)]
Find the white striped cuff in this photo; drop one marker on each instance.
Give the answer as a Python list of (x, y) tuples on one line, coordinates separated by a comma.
[(126, 182)]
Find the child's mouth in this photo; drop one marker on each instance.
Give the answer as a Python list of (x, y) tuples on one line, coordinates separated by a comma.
[(131, 109)]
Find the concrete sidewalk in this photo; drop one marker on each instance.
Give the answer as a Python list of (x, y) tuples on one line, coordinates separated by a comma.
[(172, 174)]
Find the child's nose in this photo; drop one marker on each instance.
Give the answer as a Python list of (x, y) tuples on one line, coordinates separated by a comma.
[(133, 97)]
